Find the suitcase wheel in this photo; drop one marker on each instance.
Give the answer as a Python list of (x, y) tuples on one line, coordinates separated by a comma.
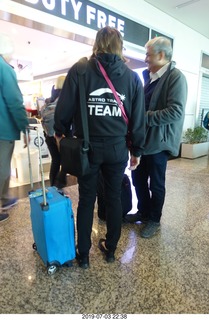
[(52, 269), (34, 246)]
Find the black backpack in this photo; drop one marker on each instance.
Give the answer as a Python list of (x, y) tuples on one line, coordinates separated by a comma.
[(126, 196)]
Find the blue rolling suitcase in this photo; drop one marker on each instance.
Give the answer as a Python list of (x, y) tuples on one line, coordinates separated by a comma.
[(52, 222)]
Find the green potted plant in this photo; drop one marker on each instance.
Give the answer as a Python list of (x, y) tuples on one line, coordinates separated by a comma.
[(195, 143)]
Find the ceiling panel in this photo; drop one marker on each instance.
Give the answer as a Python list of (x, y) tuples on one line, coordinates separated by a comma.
[(193, 13)]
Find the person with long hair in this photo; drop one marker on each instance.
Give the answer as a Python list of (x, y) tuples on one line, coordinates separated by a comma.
[(109, 152)]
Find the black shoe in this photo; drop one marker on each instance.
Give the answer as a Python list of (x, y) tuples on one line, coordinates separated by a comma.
[(4, 217), (138, 216), (83, 261), (109, 255), (9, 204), (150, 229)]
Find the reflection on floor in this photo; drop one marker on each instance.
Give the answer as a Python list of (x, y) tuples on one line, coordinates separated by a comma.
[(166, 274)]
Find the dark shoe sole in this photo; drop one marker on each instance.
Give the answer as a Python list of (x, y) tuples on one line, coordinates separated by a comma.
[(133, 218), (146, 235), (83, 262), (109, 256), (4, 217), (9, 206)]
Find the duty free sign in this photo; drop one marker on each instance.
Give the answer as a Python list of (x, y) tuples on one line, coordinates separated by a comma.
[(92, 16)]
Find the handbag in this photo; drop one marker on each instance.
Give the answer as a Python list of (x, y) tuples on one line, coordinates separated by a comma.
[(120, 103), (75, 151), (74, 156)]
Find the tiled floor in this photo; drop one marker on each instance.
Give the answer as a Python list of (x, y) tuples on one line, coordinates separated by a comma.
[(168, 274)]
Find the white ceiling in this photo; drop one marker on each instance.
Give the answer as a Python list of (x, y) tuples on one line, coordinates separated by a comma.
[(49, 53), (193, 13)]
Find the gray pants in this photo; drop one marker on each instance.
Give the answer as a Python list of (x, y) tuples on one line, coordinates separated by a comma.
[(6, 151)]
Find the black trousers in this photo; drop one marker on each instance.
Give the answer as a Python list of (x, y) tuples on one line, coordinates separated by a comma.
[(56, 175), (149, 182), (110, 156)]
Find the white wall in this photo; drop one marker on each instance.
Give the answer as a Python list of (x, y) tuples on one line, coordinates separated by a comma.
[(188, 44)]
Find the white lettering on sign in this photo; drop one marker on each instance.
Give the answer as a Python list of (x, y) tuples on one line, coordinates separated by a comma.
[(76, 8), (49, 4), (92, 14), (120, 26), (103, 19), (63, 7), (111, 21)]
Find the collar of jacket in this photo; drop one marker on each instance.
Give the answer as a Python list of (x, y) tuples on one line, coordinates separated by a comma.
[(146, 72), (159, 86)]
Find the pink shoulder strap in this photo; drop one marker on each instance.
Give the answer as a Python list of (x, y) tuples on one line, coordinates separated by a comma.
[(120, 103)]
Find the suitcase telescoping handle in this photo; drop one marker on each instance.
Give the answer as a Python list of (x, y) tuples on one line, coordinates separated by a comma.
[(40, 159)]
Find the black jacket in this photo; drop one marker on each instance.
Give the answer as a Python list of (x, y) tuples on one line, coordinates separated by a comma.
[(104, 115)]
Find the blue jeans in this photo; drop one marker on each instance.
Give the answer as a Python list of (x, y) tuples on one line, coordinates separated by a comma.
[(109, 155), (149, 182)]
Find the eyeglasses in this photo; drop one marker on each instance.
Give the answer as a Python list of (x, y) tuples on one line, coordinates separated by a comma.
[(151, 54)]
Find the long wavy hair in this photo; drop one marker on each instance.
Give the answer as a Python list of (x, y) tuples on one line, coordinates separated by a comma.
[(108, 40)]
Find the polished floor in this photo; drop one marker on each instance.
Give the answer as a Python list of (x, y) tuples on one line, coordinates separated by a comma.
[(167, 274)]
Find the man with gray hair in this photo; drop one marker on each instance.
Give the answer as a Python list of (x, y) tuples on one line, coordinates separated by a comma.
[(13, 120), (165, 100)]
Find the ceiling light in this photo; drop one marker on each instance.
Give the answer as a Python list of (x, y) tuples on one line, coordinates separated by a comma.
[(184, 4)]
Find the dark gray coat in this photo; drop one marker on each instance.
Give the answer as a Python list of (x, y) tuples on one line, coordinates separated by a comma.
[(165, 116)]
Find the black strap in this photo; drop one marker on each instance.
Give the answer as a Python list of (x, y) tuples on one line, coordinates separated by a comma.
[(81, 69)]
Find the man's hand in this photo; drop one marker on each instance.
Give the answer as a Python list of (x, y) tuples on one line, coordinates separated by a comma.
[(58, 139), (134, 162)]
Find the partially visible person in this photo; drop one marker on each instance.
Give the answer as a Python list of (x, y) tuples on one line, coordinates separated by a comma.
[(165, 100), (13, 120), (57, 176), (107, 132)]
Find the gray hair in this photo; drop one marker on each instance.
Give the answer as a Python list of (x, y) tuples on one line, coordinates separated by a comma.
[(161, 44)]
